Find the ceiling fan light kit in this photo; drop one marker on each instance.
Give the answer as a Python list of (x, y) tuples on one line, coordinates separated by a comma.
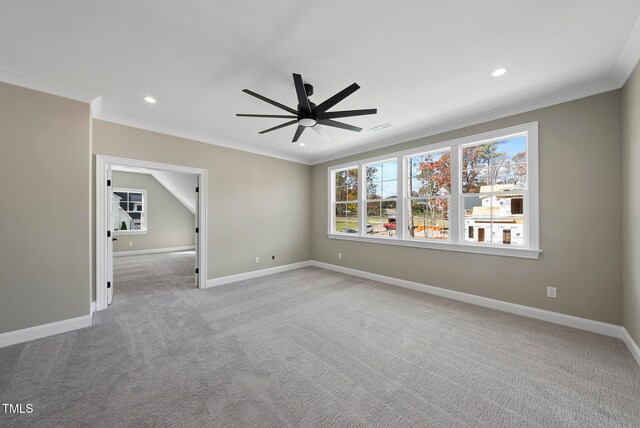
[(308, 114)]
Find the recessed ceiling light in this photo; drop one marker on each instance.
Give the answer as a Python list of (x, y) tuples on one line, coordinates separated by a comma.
[(499, 72), (301, 144), (150, 100)]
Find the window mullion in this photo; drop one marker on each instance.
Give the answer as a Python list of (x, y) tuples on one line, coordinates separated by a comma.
[(455, 197), (362, 200), (401, 198)]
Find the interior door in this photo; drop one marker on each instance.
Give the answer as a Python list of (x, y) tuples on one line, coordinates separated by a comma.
[(197, 231), (110, 236)]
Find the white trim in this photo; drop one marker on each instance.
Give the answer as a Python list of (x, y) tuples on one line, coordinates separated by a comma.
[(92, 307), (257, 273), (44, 330), (121, 119), (46, 86), (154, 251), (631, 344), (456, 242), (103, 162), (513, 308), (629, 57), (523, 253), (551, 99)]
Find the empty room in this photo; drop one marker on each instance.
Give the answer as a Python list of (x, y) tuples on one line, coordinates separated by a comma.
[(338, 214)]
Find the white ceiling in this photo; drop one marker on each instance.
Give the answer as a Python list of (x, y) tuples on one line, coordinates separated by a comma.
[(424, 64)]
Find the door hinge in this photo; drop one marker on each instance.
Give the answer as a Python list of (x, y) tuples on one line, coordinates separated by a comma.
[(108, 234), (108, 284), (197, 270), (197, 189), (108, 183), (197, 230)]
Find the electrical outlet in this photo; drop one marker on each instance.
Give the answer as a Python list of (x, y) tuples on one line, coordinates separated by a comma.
[(551, 292), (257, 259), (339, 255), (130, 244), (273, 257)]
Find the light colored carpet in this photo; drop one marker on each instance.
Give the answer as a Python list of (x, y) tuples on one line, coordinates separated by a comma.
[(312, 348)]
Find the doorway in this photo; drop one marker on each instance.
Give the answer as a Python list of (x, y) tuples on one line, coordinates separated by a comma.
[(115, 220)]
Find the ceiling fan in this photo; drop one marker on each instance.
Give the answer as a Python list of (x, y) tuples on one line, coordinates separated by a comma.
[(309, 115)]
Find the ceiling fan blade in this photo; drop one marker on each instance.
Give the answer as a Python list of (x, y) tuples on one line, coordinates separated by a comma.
[(279, 126), (341, 125), (274, 103), (275, 116), (303, 101), (346, 113), (327, 104), (322, 132), (298, 133)]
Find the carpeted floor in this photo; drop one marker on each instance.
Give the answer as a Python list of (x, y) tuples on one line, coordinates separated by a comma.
[(312, 348)]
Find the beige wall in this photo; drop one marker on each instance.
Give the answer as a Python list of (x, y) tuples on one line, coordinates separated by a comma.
[(631, 204), (44, 232), (257, 205), (580, 199), (169, 222)]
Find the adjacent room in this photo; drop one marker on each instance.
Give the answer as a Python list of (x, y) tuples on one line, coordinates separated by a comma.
[(368, 214)]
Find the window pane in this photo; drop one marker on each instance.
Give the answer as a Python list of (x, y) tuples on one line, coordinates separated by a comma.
[(137, 197), (352, 177), (135, 216), (390, 170), (341, 218), (473, 180), (124, 206), (477, 218), (374, 173), (352, 193), (341, 193), (430, 174), (389, 189), (121, 195), (352, 218), (429, 219), (381, 218), (341, 178), (508, 226)]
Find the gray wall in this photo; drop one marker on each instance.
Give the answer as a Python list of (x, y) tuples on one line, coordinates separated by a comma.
[(257, 205), (44, 232), (169, 222), (631, 204), (580, 234)]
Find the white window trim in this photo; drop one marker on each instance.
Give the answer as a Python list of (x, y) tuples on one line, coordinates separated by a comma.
[(456, 242), (142, 231)]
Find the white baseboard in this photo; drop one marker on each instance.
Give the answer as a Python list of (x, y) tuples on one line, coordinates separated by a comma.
[(92, 307), (153, 251), (513, 308), (256, 273), (631, 344), (44, 330)]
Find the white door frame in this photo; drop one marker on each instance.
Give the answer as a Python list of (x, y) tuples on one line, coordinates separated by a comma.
[(104, 162)]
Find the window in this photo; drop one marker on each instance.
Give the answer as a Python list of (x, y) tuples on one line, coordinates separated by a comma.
[(382, 194), (129, 211), (475, 194), (345, 205)]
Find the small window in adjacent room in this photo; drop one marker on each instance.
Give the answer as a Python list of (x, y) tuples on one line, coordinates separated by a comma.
[(129, 208)]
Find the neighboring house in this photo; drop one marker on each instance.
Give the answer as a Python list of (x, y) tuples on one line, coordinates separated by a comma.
[(497, 217)]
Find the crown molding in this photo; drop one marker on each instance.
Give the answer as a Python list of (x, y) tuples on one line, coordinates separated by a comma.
[(628, 58), (100, 114), (46, 86), (553, 98)]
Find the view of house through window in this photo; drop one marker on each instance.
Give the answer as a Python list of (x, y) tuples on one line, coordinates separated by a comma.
[(472, 191), (129, 210), (494, 182)]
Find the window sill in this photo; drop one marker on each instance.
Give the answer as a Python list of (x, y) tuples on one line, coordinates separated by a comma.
[(463, 248), (129, 232)]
